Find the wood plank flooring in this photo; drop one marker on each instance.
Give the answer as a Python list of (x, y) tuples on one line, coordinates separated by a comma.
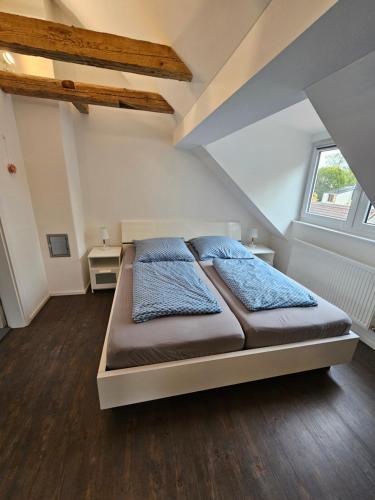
[(309, 436)]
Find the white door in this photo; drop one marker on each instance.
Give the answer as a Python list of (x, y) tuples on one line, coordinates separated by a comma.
[(3, 321), (8, 288)]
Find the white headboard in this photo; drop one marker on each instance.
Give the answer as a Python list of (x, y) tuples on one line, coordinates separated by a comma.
[(184, 228)]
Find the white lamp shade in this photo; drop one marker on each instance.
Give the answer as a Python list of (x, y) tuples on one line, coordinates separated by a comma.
[(104, 233), (253, 232)]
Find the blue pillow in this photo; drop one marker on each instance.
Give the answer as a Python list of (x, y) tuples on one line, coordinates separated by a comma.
[(221, 247), (162, 249)]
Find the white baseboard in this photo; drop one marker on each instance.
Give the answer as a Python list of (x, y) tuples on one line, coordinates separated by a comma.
[(38, 308), (54, 294), (68, 292), (80, 291)]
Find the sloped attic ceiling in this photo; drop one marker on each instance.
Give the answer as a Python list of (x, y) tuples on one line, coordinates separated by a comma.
[(268, 161), (203, 33)]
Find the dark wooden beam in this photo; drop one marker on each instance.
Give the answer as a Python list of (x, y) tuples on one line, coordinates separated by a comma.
[(82, 93), (37, 37), (82, 108)]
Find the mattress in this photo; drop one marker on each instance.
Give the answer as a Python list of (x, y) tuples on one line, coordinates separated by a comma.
[(282, 326), (169, 338)]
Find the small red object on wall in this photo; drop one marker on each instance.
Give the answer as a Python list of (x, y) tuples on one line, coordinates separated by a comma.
[(12, 169)]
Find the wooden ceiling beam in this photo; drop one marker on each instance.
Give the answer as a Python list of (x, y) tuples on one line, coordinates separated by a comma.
[(36, 37), (82, 108), (82, 94)]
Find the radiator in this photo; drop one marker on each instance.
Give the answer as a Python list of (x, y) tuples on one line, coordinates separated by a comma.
[(346, 283)]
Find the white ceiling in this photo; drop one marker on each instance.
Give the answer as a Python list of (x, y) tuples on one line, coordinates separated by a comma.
[(31, 8), (301, 116), (339, 37), (204, 33)]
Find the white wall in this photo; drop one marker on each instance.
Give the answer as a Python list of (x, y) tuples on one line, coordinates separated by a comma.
[(72, 170), (353, 247), (268, 161), (42, 144), (130, 169), (32, 8), (19, 225), (74, 183)]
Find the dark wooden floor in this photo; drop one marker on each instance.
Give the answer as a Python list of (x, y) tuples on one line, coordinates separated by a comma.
[(296, 437)]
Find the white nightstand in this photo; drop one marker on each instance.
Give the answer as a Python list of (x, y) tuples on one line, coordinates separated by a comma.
[(263, 252), (104, 265)]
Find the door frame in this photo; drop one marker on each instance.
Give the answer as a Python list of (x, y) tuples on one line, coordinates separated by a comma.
[(9, 294)]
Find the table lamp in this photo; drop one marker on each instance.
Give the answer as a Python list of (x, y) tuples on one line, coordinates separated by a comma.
[(104, 236), (253, 233)]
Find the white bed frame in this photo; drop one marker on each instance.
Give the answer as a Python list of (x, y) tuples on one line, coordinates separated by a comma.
[(146, 383)]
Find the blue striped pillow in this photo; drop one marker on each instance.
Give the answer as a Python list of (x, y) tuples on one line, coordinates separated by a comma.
[(162, 249)]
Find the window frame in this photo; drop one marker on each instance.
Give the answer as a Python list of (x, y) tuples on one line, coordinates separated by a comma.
[(355, 222), (368, 213)]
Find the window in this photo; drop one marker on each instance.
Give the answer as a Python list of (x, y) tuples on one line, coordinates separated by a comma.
[(334, 198), (370, 217), (334, 185)]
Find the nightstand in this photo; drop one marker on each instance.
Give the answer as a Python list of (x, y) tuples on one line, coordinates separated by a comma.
[(263, 252), (104, 266)]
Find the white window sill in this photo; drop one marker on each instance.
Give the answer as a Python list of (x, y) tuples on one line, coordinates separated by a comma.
[(334, 231)]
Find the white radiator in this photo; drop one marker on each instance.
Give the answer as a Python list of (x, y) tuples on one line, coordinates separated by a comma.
[(346, 283)]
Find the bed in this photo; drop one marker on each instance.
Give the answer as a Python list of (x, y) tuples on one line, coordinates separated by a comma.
[(174, 357), (282, 326), (169, 338)]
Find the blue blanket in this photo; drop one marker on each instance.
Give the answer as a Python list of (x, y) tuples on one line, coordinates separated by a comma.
[(169, 288), (259, 286)]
